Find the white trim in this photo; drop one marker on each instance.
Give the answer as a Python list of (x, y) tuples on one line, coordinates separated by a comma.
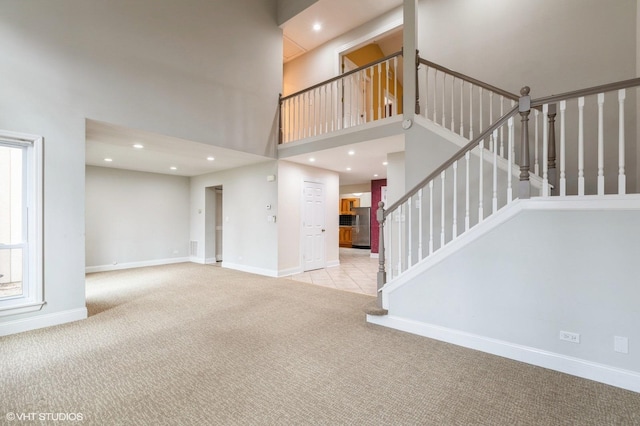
[(290, 271), (41, 321), (332, 263), (375, 255), (602, 373), (21, 308), (210, 260), (250, 269), (156, 262), (398, 22)]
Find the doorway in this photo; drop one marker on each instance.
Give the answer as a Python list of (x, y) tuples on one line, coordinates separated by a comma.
[(213, 227), (313, 226)]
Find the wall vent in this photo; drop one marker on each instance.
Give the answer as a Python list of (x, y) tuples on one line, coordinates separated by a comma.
[(193, 248)]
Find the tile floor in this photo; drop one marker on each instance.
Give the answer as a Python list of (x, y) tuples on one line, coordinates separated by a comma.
[(357, 272)]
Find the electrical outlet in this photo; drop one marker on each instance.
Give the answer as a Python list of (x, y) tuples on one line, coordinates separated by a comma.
[(621, 344), (569, 336)]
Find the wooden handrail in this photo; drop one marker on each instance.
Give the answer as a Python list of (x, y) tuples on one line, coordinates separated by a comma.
[(346, 74), (472, 80), (624, 84), (455, 157)]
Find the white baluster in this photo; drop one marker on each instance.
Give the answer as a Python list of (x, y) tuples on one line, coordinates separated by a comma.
[(536, 166), (622, 179), (371, 102), (444, 90), (426, 91), (431, 217), (466, 203), (420, 224), (435, 95), (494, 199), (470, 111), (492, 140), (545, 150), (385, 89), (462, 108), (395, 85), (481, 182), (581, 146), (454, 231), (453, 89), (601, 144), (442, 209), (501, 127), (509, 160), (409, 236), (480, 95), (389, 246), (400, 222), (380, 94), (563, 143)]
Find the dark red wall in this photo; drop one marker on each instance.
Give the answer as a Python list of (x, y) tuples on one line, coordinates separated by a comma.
[(376, 185)]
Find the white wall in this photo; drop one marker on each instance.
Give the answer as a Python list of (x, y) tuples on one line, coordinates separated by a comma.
[(291, 178), (184, 69), (322, 62), (135, 218), (250, 242), (537, 274), (395, 177)]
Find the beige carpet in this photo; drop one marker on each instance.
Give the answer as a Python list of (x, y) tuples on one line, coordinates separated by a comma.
[(200, 345)]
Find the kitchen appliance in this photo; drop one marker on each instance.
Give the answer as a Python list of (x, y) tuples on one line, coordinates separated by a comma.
[(361, 230)]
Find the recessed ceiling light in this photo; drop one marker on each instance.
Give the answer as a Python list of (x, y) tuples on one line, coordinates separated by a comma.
[(210, 158), (173, 168), (108, 160), (352, 152), (317, 26), (138, 146), (376, 175), (311, 160), (348, 169), (384, 163)]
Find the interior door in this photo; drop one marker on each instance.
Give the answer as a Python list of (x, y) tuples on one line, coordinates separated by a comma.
[(313, 226)]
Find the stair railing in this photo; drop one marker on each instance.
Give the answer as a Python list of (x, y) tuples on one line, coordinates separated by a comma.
[(592, 147), (368, 93), (411, 226), (458, 102)]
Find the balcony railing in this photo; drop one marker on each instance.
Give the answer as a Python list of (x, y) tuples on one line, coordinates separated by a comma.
[(369, 93)]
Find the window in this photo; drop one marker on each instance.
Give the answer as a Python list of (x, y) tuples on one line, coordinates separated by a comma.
[(20, 223)]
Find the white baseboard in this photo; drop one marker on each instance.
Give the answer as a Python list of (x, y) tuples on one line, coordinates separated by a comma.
[(41, 321), (250, 269), (332, 263), (118, 266), (602, 373), (210, 260), (375, 255), (290, 271)]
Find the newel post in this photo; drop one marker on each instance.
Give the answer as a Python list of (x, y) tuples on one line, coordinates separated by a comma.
[(417, 83), (382, 274), (280, 119), (551, 156), (524, 108)]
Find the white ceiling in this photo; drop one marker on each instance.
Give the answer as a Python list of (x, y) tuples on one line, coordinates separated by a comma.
[(161, 152), (336, 17), (365, 163)]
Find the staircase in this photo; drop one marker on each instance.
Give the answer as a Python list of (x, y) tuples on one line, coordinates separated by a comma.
[(526, 235)]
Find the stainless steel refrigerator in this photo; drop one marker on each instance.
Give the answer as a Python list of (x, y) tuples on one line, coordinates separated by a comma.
[(361, 230)]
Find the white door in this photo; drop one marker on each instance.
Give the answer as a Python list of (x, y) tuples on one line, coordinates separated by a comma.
[(313, 226)]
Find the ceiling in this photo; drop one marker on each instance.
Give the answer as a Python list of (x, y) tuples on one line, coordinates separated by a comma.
[(336, 18), (160, 153), (365, 163)]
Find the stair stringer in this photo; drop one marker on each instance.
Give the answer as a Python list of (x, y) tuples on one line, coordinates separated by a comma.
[(516, 297)]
